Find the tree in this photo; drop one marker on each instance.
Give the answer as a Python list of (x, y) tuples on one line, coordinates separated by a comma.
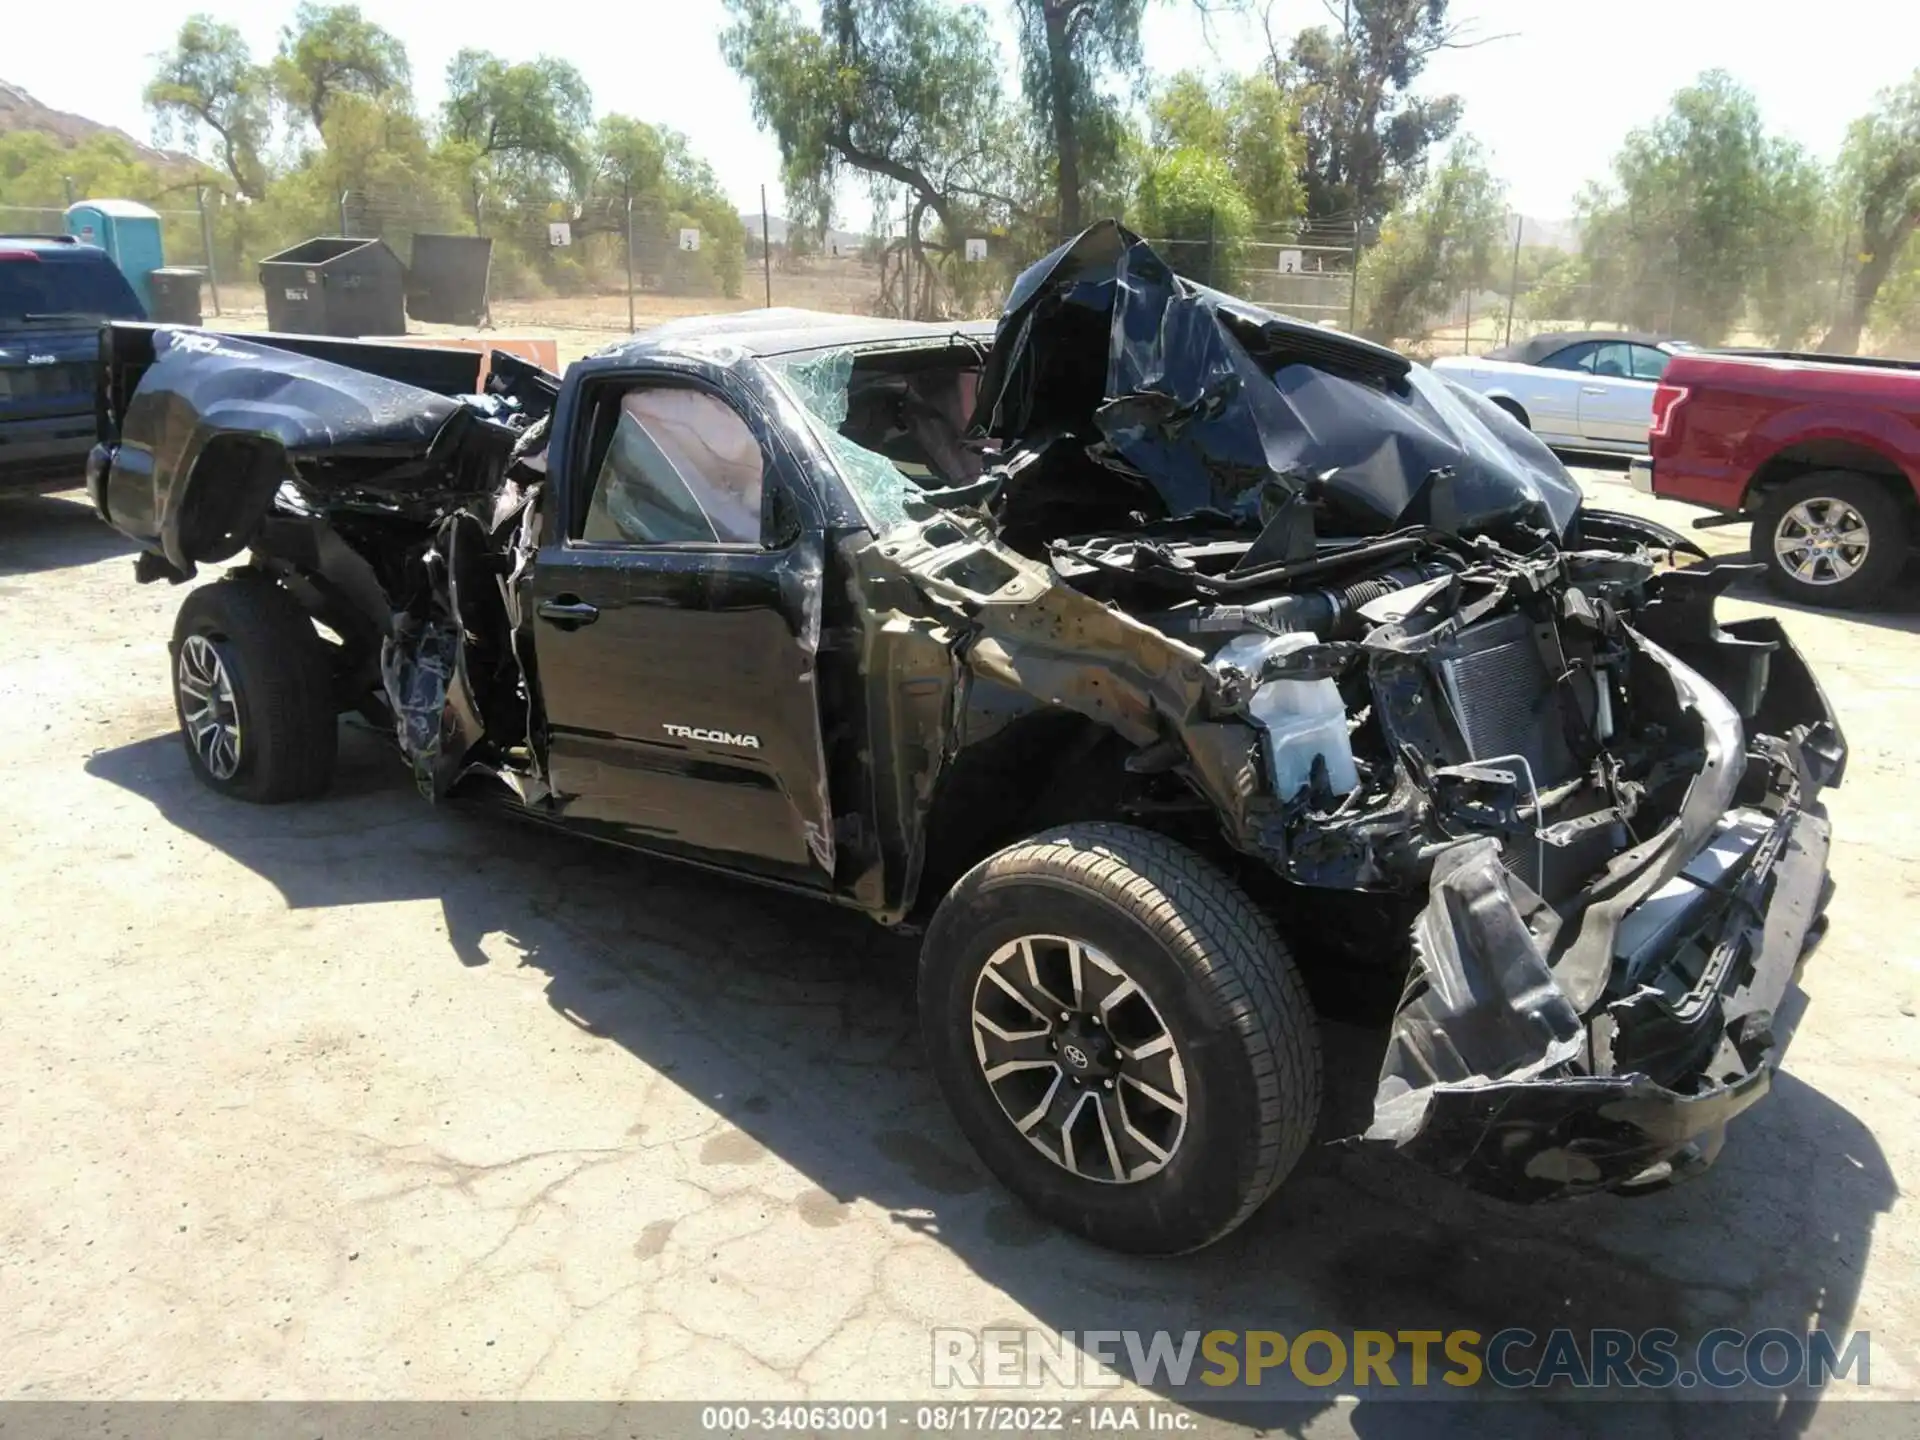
[(1067, 49), (1249, 124), (208, 81), (1896, 310), (331, 50), (1366, 134), (654, 170), (1192, 209), (1880, 169), (377, 153), (1792, 295), (903, 92), (1699, 203), (528, 120), (1441, 243)]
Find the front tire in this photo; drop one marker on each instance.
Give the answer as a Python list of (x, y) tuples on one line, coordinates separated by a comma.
[(1122, 1035), (254, 692), (1831, 538)]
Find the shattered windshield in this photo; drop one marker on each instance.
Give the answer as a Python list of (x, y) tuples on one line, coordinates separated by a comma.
[(895, 417), (821, 382)]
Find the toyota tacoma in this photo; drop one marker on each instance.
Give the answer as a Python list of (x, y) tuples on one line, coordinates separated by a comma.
[(1167, 663)]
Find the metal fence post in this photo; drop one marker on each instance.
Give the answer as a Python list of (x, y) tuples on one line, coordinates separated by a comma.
[(766, 246), (1353, 281), (206, 246), (67, 180), (629, 192), (1513, 281), (906, 264), (344, 232), (1213, 264)]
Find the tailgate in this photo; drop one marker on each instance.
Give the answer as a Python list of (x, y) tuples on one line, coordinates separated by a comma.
[(46, 374)]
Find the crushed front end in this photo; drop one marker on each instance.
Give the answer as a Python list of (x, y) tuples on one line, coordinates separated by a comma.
[(1364, 622), (1608, 801), (1623, 898)]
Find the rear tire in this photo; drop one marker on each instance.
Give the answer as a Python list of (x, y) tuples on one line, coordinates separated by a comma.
[(1802, 535), (253, 688), (1095, 909)]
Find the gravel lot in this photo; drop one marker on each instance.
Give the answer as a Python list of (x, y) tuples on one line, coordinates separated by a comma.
[(366, 1098)]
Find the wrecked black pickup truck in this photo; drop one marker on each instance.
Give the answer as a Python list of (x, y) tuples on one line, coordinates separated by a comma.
[(1171, 663)]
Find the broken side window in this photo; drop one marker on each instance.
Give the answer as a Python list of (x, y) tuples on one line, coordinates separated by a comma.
[(821, 383)]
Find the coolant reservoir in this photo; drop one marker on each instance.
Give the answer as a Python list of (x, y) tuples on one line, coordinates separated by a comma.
[(1302, 718)]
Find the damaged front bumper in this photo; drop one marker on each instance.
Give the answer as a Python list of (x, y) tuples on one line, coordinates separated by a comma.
[(1498, 1076)]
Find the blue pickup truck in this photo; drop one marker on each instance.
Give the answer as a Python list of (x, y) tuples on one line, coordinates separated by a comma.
[(54, 292)]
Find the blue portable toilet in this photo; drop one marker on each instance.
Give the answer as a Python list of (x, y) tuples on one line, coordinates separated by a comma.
[(130, 234)]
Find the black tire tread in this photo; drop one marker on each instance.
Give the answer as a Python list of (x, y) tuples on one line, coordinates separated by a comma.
[(292, 725), (1235, 951)]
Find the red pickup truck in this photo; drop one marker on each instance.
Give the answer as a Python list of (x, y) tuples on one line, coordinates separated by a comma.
[(1820, 452)]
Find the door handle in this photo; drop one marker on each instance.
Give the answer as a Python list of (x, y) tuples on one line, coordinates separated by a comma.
[(1593, 389), (568, 612)]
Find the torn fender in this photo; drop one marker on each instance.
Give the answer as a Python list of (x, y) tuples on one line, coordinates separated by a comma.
[(1014, 622)]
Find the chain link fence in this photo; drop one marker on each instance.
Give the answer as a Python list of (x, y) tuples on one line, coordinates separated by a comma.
[(620, 263)]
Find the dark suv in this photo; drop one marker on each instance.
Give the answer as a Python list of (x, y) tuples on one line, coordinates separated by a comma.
[(54, 292)]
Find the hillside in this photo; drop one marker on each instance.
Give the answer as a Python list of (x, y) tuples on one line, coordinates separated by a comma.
[(20, 111), (839, 242)]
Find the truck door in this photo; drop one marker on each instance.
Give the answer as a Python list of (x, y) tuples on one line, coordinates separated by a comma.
[(676, 598), (1615, 407)]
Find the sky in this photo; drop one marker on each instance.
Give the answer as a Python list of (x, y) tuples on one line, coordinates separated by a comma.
[(1551, 102)]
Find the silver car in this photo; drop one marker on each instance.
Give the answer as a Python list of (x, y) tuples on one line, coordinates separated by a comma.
[(1575, 389)]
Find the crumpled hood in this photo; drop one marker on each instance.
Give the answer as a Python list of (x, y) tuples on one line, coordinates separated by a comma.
[(1208, 399)]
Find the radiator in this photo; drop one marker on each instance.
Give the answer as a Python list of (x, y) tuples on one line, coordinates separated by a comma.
[(1502, 698)]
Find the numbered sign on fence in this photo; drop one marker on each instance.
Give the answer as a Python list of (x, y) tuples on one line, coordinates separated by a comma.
[(689, 239), (976, 247), (559, 234), (1291, 262)]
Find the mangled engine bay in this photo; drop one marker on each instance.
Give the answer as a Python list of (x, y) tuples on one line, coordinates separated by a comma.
[(1350, 621), (1505, 716)]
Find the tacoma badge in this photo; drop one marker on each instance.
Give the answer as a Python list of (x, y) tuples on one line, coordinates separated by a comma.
[(713, 737)]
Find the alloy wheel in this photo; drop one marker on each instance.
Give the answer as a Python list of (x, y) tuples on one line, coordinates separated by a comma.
[(1079, 1059), (1821, 541), (207, 707)]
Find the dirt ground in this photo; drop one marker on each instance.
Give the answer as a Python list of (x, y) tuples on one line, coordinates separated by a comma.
[(585, 323), (368, 1098)]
